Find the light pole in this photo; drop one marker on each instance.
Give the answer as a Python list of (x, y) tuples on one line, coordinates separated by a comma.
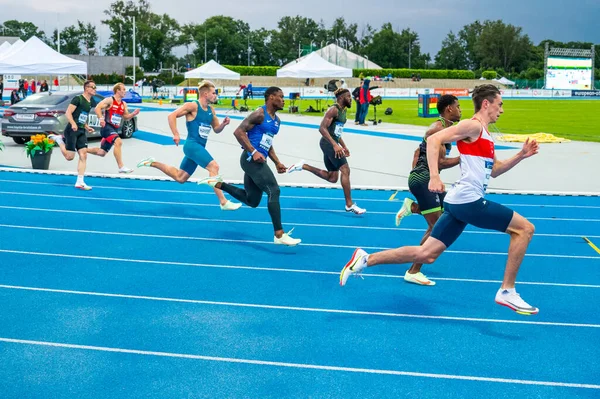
[(134, 51)]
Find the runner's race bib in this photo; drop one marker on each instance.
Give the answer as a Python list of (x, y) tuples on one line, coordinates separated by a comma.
[(339, 129), (116, 120), (83, 117), (266, 142), (204, 131)]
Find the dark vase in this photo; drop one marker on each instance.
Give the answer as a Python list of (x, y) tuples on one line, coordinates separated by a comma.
[(41, 160)]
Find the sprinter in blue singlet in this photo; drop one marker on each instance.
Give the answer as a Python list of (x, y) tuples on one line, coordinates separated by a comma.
[(256, 134), (200, 118)]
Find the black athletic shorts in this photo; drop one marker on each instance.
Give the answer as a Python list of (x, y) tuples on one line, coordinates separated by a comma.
[(332, 163), (75, 141), (418, 184)]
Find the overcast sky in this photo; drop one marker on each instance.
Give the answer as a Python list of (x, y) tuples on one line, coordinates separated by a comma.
[(561, 20)]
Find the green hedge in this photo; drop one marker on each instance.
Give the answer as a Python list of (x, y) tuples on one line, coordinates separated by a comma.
[(489, 74), (254, 70), (407, 73), (104, 79)]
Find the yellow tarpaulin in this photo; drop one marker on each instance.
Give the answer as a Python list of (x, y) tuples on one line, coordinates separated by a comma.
[(539, 137)]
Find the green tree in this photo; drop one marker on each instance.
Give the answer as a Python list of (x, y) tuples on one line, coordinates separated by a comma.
[(469, 35), (69, 40), (452, 55), (24, 30), (503, 46), (292, 33), (390, 49)]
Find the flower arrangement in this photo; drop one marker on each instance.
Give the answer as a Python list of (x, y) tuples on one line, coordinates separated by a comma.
[(39, 142)]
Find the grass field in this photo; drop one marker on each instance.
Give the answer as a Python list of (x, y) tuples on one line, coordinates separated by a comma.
[(572, 119)]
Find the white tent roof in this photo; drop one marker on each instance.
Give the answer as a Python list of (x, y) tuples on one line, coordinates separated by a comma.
[(12, 49), (212, 70), (505, 81), (313, 66), (4, 47), (36, 57), (342, 57)]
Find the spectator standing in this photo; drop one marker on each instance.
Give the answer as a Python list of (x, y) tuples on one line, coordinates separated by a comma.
[(249, 88), (14, 97), (365, 99), (44, 86)]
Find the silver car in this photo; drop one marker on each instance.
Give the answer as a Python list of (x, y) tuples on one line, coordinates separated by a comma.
[(45, 113)]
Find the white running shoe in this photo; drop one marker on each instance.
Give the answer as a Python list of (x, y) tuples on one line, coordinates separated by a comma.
[(231, 206), (286, 239), (83, 186), (56, 138), (417, 278), (125, 169), (211, 180), (404, 211), (146, 162), (355, 265), (510, 299), (356, 209), (297, 167)]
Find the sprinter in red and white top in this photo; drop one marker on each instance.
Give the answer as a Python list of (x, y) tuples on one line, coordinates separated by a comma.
[(465, 204), (111, 113)]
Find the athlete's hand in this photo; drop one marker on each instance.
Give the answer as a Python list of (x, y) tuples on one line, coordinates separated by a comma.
[(258, 157), (436, 185), (225, 121), (102, 123), (281, 168), (176, 139), (339, 151), (347, 151), (530, 147), (136, 112), (74, 127), (89, 129)]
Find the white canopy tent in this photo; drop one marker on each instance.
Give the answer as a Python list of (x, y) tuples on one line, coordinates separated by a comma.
[(13, 48), (4, 47), (212, 70), (313, 66), (505, 81), (342, 57), (35, 57)]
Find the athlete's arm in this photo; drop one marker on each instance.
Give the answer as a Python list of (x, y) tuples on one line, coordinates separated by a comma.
[(241, 133), (326, 122), (218, 127), (281, 168), (346, 150), (102, 105), (69, 115), (467, 129), (187, 108), (128, 115), (530, 147)]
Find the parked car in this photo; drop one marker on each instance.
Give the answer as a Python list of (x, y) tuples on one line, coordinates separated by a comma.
[(45, 113)]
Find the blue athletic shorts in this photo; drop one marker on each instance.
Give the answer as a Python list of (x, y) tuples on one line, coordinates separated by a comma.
[(195, 155), (482, 213)]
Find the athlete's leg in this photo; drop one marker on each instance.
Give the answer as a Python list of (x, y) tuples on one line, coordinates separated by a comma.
[(431, 219), (177, 174), (96, 151), (213, 170), (118, 148), (520, 231), (345, 172)]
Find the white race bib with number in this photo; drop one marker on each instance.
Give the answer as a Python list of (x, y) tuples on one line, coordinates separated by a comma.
[(204, 131), (116, 119), (83, 118), (266, 142), (339, 129)]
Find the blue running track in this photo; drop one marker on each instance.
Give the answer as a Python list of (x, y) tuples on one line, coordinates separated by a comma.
[(142, 289)]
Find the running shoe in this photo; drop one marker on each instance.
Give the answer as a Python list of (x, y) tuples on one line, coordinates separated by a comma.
[(297, 167), (405, 211), (125, 169), (56, 138), (286, 239), (231, 206), (510, 299), (417, 278), (355, 209), (146, 162), (211, 180), (83, 186), (355, 265)]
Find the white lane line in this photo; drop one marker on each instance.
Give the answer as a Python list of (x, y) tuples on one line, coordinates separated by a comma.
[(273, 269), (297, 308), (138, 201), (213, 220), (283, 196), (304, 244), (299, 365)]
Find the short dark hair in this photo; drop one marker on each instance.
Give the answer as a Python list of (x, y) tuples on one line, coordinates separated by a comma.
[(87, 83), (445, 101), (340, 92), (270, 91), (484, 92)]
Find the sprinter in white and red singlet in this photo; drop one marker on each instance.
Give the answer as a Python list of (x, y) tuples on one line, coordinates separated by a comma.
[(465, 204), (112, 112)]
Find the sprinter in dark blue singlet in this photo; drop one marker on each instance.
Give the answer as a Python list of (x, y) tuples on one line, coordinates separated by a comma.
[(256, 134), (200, 117)]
